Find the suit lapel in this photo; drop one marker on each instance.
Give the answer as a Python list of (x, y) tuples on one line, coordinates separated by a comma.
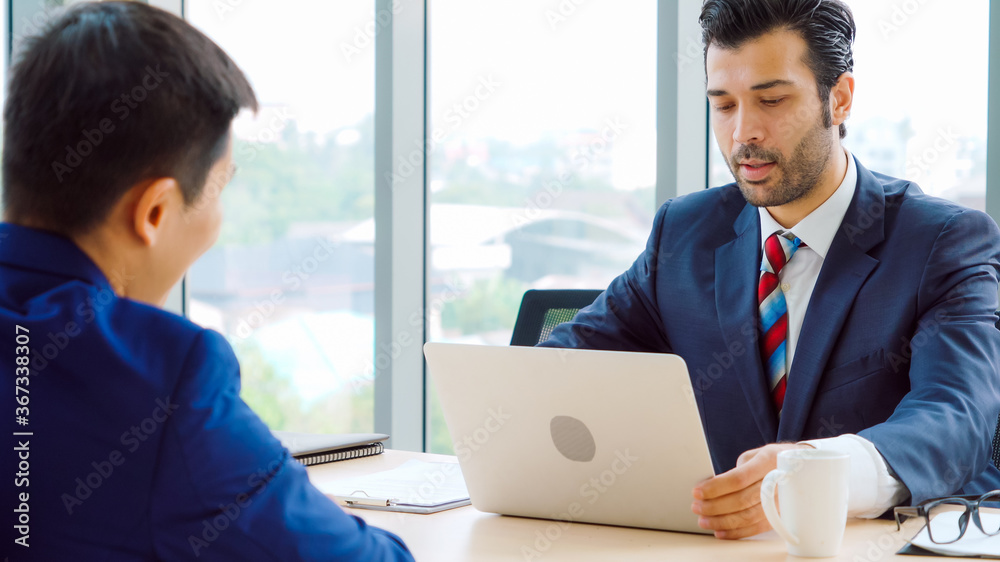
[(845, 269), (737, 266)]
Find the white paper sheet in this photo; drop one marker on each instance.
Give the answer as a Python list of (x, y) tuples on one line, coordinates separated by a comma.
[(414, 482), (973, 543)]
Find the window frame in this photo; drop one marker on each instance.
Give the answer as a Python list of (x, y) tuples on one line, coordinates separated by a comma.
[(401, 211)]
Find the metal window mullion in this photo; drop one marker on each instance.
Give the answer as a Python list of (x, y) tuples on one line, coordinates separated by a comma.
[(681, 111), (993, 117), (172, 6), (400, 221)]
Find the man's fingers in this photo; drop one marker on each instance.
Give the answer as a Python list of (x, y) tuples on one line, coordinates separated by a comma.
[(747, 455), (733, 534), (730, 503), (724, 484), (748, 518), (737, 479)]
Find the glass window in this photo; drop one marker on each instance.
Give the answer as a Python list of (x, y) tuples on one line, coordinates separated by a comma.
[(543, 161), (27, 19), (291, 280), (920, 105)]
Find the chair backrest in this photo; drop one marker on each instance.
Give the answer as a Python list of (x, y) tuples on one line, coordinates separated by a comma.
[(996, 445), (541, 311), (996, 434)]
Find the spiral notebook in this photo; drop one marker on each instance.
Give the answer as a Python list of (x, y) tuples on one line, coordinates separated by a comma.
[(319, 448)]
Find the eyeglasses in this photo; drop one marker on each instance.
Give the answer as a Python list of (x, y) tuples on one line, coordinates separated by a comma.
[(947, 519)]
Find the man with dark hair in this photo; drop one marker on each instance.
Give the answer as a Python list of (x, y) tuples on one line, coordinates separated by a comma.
[(816, 304), (129, 439)]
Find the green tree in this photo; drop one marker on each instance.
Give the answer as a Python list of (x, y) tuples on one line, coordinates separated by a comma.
[(300, 178), (268, 393), (272, 396), (488, 305)]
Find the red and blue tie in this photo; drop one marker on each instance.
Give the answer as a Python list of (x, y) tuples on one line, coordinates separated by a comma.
[(778, 249)]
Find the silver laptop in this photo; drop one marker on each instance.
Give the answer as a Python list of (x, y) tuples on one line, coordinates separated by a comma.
[(575, 435)]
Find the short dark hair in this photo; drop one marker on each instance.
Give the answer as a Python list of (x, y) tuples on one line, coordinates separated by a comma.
[(109, 95), (827, 26)]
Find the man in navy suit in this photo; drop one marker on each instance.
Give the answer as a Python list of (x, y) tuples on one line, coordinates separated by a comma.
[(129, 440), (816, 303)]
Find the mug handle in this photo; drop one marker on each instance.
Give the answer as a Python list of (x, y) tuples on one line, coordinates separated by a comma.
[(767, 490)]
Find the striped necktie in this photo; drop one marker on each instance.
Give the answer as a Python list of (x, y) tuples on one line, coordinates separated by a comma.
[(778, 249)]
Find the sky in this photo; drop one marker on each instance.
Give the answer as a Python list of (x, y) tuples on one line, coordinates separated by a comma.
[(561, 66), (551, 70), (558, 67), (924, 58), (927, 59), (552, 76)]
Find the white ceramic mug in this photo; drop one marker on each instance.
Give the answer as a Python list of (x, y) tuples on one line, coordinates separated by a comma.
[(812, 488)]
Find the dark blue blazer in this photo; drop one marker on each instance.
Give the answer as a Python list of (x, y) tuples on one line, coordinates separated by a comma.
[(141, 448), (898, 343)]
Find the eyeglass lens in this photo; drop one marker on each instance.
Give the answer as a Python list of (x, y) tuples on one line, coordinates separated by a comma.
[(989, 513), (948, 521)]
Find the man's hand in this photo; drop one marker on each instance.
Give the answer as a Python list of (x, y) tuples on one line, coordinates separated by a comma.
[(729, 503)]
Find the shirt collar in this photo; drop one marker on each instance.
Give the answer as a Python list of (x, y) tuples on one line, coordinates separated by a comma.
[(40, 250), (819, 227)]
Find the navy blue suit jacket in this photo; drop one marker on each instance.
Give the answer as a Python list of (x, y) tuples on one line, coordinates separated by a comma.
[(141, 448), (898, 344)]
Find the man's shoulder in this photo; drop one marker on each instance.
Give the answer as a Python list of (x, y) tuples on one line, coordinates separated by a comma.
[(716, 204), (725, 196), (173, 334), (91, 321), (101, 303), (160, 320), (916, 209)]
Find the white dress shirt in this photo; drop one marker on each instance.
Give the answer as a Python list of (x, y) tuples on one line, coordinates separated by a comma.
[(873, 488)]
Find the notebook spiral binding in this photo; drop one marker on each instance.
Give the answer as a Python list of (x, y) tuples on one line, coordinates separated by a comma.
[(353, 453)]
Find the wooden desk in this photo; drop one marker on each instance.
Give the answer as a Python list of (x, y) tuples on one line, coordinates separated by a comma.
[(466, 534)]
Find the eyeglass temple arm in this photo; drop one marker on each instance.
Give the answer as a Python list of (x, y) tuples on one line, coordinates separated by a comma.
[(909, 511), (972, 497)]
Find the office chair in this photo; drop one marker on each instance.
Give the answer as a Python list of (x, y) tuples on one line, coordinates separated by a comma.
[(996, 445), (542, 311), (996, 434)]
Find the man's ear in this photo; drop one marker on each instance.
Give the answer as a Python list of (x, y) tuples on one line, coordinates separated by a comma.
[(155, 201), (842, 98)]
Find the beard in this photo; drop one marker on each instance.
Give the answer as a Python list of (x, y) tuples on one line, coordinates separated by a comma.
[(797, 176)]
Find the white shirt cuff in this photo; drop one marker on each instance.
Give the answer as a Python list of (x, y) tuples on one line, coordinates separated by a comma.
[(872, 489)]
